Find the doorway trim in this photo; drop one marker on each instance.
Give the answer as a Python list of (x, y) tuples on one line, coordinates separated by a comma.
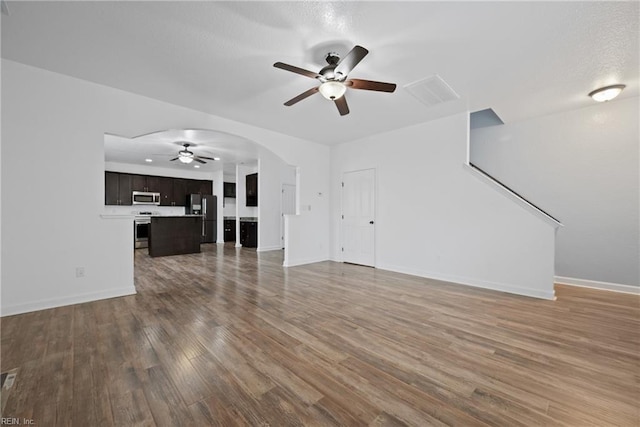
[(364, 220)]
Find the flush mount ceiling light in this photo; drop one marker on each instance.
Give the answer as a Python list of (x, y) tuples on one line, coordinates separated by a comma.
[(606, 93), (332, 90), (148, 160)]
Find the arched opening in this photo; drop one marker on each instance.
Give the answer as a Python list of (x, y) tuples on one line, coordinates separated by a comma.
[(245, 179)]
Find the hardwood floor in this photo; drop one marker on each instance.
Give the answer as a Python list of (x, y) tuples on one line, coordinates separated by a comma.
[(228, 337)]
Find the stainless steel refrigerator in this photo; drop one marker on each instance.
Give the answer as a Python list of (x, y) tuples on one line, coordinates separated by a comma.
[(207, 206)]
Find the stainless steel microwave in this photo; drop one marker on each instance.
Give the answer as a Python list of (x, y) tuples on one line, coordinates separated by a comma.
[(145, 198)]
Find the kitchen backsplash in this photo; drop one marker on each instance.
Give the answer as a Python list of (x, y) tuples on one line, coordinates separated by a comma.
[(135, 210), (229, 207)]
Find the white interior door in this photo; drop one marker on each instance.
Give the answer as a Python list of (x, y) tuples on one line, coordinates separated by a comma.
[(358, 217), (288, 206)]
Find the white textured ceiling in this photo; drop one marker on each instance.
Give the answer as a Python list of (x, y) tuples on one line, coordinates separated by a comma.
[(523, 59)]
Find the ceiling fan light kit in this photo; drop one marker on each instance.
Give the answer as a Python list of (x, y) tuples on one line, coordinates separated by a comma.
[(332, 90), (606, 93), (333, 78), (185, 156)]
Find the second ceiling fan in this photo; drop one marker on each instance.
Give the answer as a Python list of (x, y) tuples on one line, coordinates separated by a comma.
[(333, 78), (187, 156)]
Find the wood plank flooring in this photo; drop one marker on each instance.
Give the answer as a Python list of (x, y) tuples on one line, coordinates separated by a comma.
[(228, 337)]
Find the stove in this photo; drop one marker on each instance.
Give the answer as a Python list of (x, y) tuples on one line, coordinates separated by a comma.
[(141, 226)]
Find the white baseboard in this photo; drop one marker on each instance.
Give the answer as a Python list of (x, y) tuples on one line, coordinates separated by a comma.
[(60, 302), (502, 287), (269, 248), (607, 286), (288, 263)]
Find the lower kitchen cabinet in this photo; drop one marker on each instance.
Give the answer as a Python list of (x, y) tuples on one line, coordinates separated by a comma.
[(229, 230), (249, 234)]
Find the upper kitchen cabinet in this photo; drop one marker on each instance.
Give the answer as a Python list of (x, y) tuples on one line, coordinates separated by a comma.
[(139, 183), (199, 186), (252, 189), (230, 190), (206, 187), (117, 188), (183, 187), (164, 186), (150, 183), (179, 192), (173, 191)]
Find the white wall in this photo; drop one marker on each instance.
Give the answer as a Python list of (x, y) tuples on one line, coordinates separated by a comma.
[(218, 190), (582, 167), (269, 202), (55, 117), (434, 219), (229, 208), (288, 175)]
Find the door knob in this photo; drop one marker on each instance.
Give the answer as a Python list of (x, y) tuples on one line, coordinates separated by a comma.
[(370, 222)]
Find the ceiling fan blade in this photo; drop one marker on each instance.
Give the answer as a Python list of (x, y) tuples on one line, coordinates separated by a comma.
[(296, 70), (341, 103), (352, 59), (197, 159), (176, 158), (302, 96), (370, 85), (206, 158)]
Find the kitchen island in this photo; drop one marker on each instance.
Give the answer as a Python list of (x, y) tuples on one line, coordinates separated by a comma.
[(175, 235)]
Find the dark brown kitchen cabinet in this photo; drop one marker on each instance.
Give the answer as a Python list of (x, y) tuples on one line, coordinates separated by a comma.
[(155, 184), (179, 192), (229, 230), (252, 189), (199, 186), (117, 188), (230, 190), (164, 186), (249, 234), (183, 187), (149, 183), (139, 183), (173, 191), (206, 187)]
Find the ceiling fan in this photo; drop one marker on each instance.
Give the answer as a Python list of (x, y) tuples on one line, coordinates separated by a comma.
[(186, 156), (333, 79)]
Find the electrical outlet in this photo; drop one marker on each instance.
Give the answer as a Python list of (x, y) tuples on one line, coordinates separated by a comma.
[(79, 271)]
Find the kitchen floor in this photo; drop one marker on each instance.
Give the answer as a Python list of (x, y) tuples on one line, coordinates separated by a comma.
[(230, 337)]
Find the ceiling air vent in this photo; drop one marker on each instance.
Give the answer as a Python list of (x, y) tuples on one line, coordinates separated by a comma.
[(432, 91)]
